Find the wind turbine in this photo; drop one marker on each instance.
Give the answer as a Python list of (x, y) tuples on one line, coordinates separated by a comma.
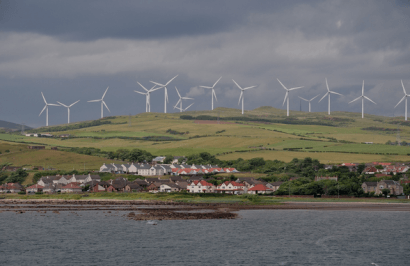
[(242, 90), (102, 103), (213, 92), (287, 95), (183, 110), (165, 91), (328, 95), (309, 101), (148, 96), (180, 101), (46, 108), (405, 97), (362, 97), (68, 109)]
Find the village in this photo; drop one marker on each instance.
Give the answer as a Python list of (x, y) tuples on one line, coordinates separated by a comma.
[(157, 177)]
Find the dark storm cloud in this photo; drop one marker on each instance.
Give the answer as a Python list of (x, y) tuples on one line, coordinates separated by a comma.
[(73, 50)]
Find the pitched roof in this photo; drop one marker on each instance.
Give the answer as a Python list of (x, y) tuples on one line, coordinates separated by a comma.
[(35, 186), (259, 187)]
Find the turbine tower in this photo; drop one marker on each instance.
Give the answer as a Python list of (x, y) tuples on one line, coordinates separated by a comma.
[(183, 110), (147, 96), (310, 109), (362, 97), (213, 92), (165, 91), (405, 97), (102, 103), (287, 95), (328, 95), (242, 90), (68, 109), (180, 101), (46, 108)]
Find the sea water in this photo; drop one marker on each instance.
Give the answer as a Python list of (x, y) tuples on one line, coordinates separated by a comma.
[(258, 237)]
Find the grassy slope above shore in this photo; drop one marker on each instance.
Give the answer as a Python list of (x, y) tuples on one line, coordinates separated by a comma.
[(324, 142)]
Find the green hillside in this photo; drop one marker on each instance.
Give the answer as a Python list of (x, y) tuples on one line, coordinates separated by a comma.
[(263, 132)]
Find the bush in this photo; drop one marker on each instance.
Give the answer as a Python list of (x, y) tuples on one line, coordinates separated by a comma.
[(21, 193)]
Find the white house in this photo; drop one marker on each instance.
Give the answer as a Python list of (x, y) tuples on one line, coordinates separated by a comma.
[(34, 188), (71, 188), (231, 187), (201, 187), (169, 187)]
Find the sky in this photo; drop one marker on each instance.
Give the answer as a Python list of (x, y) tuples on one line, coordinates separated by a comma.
[(73, 50)]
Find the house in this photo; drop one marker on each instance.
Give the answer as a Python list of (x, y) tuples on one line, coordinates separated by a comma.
[(175, 179), (130, 168), (36, 147), (394, 187), (167, 169), (151, 180), (157, 170), (275, 185), (144, 169), (169, 187), (201, 187), (47, 180), (395, 169), (48, 188), (107, 168), (133, 187), (154, 187), (11, 188), (318, 178), (182, 184), (260, 189), (62, 180), (34, 188), (231, 187), (176, 158), (369, 187), (370, 170), (230, 170), (159, 159), (71, 188), (141, 183), (118, 168)]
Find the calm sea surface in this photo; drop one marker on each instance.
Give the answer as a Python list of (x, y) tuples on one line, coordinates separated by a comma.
[(268, 237)]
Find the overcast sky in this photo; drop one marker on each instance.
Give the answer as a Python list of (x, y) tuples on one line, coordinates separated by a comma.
[(73, 50)]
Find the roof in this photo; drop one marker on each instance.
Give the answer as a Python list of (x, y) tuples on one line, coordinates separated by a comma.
[(259, 187), (134, 186), (202, 182), (71, 185), (35, 186)]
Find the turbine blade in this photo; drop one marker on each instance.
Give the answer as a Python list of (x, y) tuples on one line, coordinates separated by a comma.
[(94, 101), (143, 93), (213, 91), (189, 106), (106, 106), (282, 85), (74, 103), (296, 88), (216, 82), (43, 110), (171, 80), (314, 97), (403, 87), (327, 85), (251, 87), (105, 93), (187, 98), (178, 92), (158, 84), (363, 89), (142, 86), (402, 99), (205, 87), (303, 98), (177, 103), (53, 104), (240, 96), (286, 96), (324, 96), (335, 93), (63, 104), (237, 84), (43, 97), (367, 98), (155, 89), (358, 98)]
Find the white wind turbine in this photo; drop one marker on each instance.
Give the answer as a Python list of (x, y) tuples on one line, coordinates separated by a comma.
[(309, 101), (405, 97), (147, 96), (328, 95), (183, 110), (68, 109), (180, 101), (213, 92), (362, 97), (46, 108), (287, 95), (165, 91), (242, 96), (102, 103)]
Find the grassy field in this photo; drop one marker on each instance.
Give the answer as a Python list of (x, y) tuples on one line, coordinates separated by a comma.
[(218, 139)]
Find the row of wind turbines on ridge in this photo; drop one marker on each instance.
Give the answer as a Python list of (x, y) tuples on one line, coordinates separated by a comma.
[(158, 86)]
